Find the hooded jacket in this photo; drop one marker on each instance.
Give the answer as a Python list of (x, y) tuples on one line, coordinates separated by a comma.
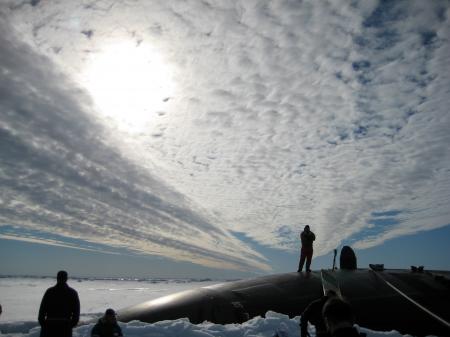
[(103, 328)]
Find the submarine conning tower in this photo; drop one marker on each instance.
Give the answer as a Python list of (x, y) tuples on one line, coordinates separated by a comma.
[(347, 259)]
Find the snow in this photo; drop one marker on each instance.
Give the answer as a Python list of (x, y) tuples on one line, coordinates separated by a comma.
[(20, 299)]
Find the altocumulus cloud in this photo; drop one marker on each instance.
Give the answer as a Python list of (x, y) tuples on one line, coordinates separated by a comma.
[(286, 113), (60, 177)]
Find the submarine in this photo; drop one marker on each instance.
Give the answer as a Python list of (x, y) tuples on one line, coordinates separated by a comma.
[(415, 301)]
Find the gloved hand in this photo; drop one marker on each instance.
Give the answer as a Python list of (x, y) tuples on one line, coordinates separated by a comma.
[(304, 329)]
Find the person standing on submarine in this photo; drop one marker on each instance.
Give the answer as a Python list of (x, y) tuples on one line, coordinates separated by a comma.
[(307, 237)]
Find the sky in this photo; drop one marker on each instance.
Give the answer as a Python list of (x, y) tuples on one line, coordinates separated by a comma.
[(199, 137)]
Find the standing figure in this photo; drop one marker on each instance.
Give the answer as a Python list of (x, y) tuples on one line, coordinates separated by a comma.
[(60, 309), (107, 326), (307, 237), (313, 314)]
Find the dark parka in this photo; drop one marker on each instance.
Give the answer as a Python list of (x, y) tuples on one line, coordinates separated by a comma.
[(307, 239), (313, 314), (59, 311), (106, 329)]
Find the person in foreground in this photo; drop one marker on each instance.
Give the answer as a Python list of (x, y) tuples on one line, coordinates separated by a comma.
[(313, 314), (60, 309), (107, 326), (339, 318), (307, 237)]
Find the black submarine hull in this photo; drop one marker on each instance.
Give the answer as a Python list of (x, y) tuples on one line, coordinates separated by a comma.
[(376, 304)]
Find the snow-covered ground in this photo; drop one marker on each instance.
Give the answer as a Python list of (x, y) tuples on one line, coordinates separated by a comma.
[(20, 299)]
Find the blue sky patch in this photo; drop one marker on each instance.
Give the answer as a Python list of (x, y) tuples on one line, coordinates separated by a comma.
[(392, 213), (70, 242), (360, 65), (428, 37), (386, 12), (380, 222)]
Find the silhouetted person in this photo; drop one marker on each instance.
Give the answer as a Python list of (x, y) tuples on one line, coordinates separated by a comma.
[(1, 310), (313, 314), (60, 309), (107, 326), (307, 237), (339, 318)]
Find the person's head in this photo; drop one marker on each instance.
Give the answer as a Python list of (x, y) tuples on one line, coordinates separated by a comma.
[(306, 229), (330, 293), (337, 313), (61, 277), (110, 315)]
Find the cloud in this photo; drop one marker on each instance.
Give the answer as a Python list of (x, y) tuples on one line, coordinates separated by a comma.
[(285, 114), (41, 241), (61, 176)]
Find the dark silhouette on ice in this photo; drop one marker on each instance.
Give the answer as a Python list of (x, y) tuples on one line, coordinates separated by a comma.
[(107, 326), (60, 309), (313, 314), (339, 318)]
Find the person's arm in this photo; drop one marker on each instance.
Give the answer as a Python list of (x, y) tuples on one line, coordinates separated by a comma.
[(95, 332), (43, 309), (304, 322), (313, 236), (76, 310), (119, 330)]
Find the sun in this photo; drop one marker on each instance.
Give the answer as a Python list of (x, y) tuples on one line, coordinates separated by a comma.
[(129, 83)]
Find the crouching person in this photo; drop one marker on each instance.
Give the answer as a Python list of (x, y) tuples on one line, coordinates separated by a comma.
[(313, 314), (339, 318), (107, 326)]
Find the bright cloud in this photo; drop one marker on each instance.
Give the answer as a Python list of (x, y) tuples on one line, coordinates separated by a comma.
[(281, 114)]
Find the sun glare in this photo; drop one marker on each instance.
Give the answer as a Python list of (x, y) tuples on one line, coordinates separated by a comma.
[(128, 84)]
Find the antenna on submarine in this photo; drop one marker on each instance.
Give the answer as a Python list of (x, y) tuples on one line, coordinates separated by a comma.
[(334, 259)]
